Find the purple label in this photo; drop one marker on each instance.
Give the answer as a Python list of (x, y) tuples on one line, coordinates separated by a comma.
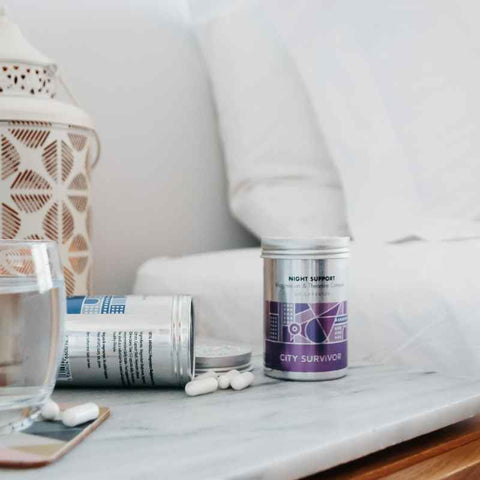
[(306, 337)]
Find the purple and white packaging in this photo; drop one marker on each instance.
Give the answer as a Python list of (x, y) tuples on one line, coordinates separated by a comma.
[(305, 307)]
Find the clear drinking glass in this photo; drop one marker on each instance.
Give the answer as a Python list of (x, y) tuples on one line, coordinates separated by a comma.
[(32, 313)]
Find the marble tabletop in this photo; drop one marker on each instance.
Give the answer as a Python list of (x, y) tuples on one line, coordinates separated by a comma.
[(273, 430)]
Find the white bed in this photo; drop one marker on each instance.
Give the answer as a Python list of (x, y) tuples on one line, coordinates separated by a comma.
[(414, 303), (336, 127)]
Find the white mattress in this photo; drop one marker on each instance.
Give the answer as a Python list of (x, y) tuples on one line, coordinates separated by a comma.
[(414, 304)]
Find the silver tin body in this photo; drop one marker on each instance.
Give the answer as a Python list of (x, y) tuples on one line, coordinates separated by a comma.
[(128, 341), (305, 308)]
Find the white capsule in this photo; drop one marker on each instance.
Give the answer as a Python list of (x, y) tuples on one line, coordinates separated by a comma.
[(200, 387), (244, 380), (80, 414), (59, 416), (50, 410), (225, 379), (207, 374)]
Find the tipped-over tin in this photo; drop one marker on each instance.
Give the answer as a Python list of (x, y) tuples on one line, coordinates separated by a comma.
[(128, 341)]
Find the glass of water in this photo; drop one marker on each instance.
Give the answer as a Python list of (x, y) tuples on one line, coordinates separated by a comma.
[(32, 313)]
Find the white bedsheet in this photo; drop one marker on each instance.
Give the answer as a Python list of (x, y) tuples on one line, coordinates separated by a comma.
[(398, 104), (415, 303)]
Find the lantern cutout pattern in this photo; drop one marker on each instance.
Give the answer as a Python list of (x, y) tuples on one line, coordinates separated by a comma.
[(56, 190), (46, 150)]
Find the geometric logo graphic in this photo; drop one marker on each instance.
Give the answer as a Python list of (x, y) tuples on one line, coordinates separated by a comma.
[(306, 323)]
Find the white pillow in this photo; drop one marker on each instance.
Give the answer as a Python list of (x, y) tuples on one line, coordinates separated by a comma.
[(281, 178), (395, 89)]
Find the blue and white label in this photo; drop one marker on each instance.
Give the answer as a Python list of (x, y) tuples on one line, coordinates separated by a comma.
[(117, 340), (101, 305)]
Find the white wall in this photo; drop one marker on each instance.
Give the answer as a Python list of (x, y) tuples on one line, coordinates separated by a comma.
[(135, 67)]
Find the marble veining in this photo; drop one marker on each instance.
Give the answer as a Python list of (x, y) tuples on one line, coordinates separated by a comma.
[(273, 430)]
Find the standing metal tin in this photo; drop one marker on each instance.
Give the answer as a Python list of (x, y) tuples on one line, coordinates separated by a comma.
[(128, 341), (305, 307)]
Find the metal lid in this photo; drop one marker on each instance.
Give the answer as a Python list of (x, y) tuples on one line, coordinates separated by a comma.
[(216, 355), (183, 339), (321, 247), (248, 367)]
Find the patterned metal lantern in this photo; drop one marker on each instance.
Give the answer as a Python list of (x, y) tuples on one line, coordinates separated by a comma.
[(46, 152)]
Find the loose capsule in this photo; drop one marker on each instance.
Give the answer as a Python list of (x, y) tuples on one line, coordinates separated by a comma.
[(80, 414), (244, 380), (225, 379), (50, 410), (207, 374), (202, 386)]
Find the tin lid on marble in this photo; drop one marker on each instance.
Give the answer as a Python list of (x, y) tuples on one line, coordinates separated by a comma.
[(247, 367), (221, 356)]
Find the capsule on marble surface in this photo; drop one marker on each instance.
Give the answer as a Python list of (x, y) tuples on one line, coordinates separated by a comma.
[(225, 379), (244, 380), (202, 386), (80, 414), (50, 410)]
